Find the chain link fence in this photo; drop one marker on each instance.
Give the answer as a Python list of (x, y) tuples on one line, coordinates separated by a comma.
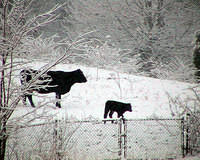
[(94, 140), (29, 142), (89, 140), (193, 133), (155, 139)]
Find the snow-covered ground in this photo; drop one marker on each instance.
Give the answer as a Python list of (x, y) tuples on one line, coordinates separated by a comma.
[(149, 99), (197, 157), (148, 96)]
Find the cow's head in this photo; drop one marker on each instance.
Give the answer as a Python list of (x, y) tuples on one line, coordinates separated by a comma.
[(80, 77), (129, 107)]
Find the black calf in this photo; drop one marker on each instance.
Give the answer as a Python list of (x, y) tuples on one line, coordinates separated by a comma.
[(119, 107)]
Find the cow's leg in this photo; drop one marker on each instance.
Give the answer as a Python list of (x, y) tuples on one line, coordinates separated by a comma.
[(24, 95), (30, 100), (24, 99), (118, 115), (58, 98)]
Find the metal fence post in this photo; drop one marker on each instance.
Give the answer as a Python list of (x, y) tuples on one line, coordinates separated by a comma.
[(187, 147), (57, 140), (125, 138), (120, 138), (55, 135), (183, 137)]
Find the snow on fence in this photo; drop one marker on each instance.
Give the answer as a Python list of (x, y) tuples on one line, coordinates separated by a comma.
[(94, 140)]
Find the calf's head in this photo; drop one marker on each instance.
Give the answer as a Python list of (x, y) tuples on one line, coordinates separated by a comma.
[(80, 77)]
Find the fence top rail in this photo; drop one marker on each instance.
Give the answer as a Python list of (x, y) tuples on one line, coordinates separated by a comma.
[(95, 121), (155, 119)]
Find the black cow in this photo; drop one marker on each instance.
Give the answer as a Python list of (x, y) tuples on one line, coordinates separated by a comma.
[(53, 81), (114, 106)]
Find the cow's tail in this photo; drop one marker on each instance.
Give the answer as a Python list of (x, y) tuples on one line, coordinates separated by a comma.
[(106, 111)]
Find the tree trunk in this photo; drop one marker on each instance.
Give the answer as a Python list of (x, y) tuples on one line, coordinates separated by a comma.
[(3, 139), (3, 101), (148, 19), (160, 18)]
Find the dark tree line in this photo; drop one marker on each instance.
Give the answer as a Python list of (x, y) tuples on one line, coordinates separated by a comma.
[(196, 55)]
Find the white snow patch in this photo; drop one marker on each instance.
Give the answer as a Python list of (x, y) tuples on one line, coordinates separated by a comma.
[(147, 95)]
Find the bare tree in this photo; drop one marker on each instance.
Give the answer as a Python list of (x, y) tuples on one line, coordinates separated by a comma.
[(155, 30), (17, 24), (188, 108)]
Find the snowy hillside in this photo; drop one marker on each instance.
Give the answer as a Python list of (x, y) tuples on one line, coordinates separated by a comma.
[(87, 100)]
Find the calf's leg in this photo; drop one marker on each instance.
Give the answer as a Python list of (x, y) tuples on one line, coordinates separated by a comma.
[(110, 115), (121, 115), (58, 98)]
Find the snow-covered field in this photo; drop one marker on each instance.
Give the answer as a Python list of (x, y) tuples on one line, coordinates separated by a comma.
[(86, 101), (147, 95)]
